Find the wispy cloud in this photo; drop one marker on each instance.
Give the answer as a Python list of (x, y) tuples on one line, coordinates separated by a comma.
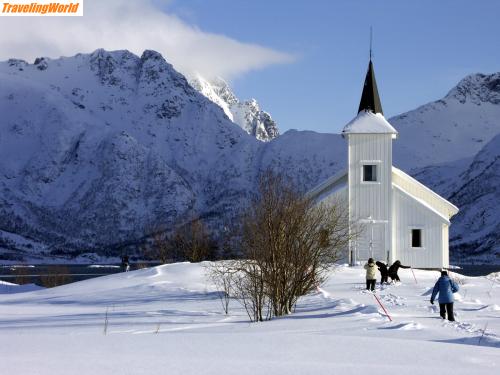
[(136, 26)]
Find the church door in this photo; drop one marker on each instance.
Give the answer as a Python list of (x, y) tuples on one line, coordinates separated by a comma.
[(371, 243)]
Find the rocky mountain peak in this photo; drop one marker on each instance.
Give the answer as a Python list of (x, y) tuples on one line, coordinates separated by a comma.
[(247, 114), (477, 88), (223, 90)]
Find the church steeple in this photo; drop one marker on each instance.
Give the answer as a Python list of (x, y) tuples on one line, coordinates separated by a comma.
[(370, 100)]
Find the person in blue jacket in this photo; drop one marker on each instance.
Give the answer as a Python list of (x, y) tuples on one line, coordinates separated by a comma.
[(445, 287)]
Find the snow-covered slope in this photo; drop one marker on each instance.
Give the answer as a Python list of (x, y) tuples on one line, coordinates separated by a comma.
[(168, 319), (453, 128), (246, 114), (306, 157), (98, 149)]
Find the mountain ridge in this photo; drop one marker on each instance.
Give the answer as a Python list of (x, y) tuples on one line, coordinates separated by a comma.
[(247, 114), (122, 144)]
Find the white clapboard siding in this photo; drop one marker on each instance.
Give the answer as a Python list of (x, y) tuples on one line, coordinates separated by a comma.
[(386, 210), (445, 246), (371, 200), (410, 214), (423, 193)]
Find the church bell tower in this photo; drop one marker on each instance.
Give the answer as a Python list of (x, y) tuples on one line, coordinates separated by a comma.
[(369, 138)]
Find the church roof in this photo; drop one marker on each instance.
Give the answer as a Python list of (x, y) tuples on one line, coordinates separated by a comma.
[(370, 100), (400, 181), (370, 118), (367, 122), (330, 185), (418, 190)]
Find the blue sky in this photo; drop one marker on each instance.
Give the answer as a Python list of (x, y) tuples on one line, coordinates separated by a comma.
[(421, 50)]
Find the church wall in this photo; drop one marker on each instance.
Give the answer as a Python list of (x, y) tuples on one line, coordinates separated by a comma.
[(371, 199), (410, 214)]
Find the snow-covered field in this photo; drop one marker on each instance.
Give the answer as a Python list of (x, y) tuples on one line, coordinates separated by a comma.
[(168, 320)]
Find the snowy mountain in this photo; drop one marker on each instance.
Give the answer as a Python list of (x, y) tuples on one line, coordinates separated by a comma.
[(246, 114), (450, 129), (97, 150)]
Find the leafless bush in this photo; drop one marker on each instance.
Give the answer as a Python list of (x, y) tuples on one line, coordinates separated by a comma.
[(55, 276), (193, 241), (21, 274), (459, 279), (223, 275), (106, 322), (189, 241), (159, 248), (288, 244)]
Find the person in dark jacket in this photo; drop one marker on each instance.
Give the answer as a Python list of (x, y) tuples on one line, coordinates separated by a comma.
[(382, 267), (445, 287), (371, 270), (125, 263), (393, 270)]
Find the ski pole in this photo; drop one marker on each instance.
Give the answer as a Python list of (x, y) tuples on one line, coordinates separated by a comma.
[(382, 306), (413, 275)]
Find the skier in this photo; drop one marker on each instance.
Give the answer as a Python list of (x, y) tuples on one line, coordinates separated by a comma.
[(382, 267), (445, 287), (393, 270), (371, 270)]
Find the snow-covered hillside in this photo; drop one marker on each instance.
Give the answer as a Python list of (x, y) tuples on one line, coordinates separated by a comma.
[(450, 129), (168, 319), (246, 114), (96, 150)]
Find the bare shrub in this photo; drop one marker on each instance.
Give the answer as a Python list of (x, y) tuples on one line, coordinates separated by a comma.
[(190, 241), (159, 247), (193, 241), (288, 244), (222, 274), (55, 276), (21, 275), (106, 322)]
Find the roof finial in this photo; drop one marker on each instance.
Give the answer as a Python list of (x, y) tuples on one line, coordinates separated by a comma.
[(370, 100), (371, 40)]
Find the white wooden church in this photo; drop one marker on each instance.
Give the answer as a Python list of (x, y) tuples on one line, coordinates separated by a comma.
[(400, 217)]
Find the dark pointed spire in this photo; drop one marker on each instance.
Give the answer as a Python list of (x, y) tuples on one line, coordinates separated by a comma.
[(370, 100)]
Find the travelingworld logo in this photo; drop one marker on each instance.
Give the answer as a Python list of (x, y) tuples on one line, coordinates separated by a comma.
[(42, 8)]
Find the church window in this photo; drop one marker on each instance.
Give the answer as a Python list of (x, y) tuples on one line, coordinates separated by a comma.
[(416, 238), (369, 173)]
